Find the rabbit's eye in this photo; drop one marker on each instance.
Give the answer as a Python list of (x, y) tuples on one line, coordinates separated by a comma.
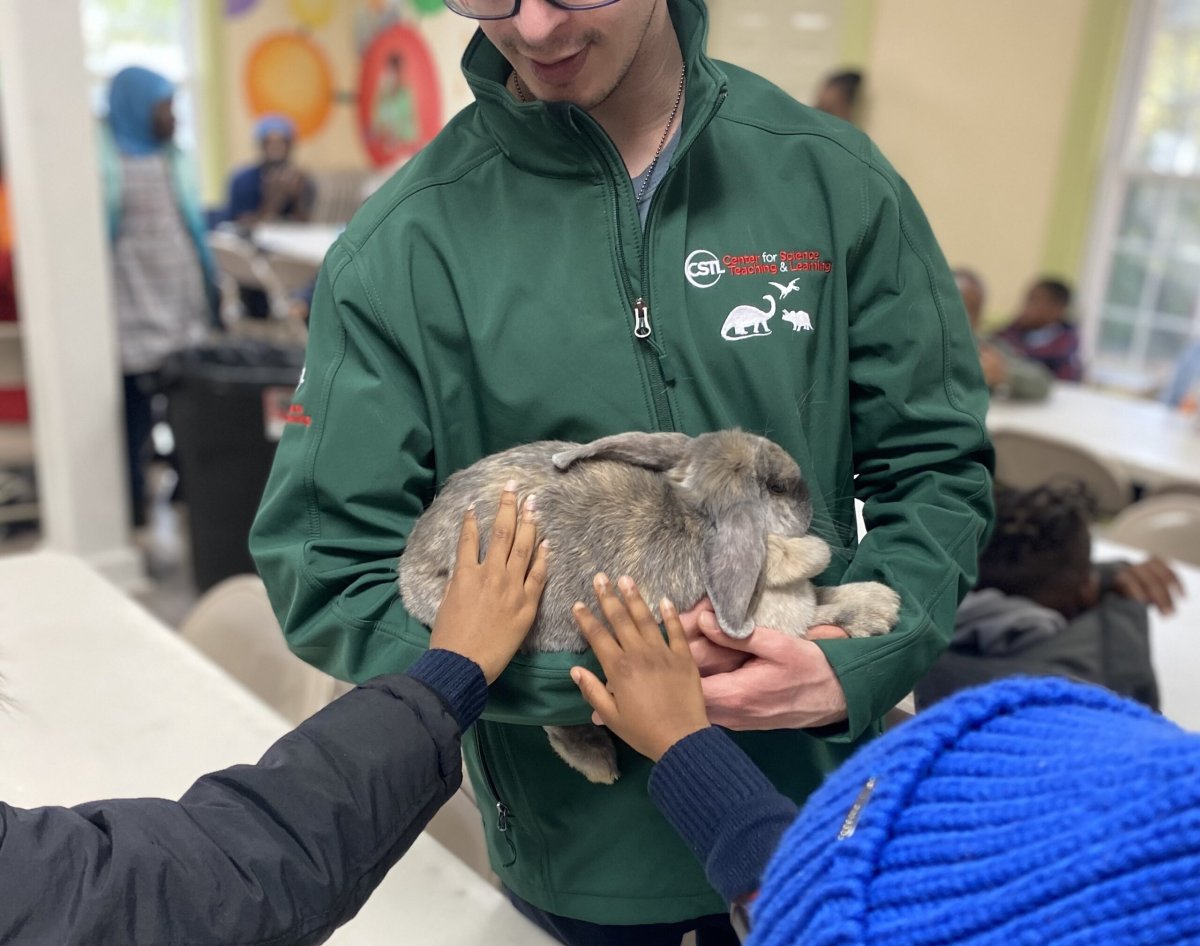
[(778, 488)]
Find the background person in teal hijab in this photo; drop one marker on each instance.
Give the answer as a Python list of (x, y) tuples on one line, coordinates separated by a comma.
[(163, 277)]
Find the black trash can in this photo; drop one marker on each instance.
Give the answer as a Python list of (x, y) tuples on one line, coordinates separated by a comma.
[(225, 402)]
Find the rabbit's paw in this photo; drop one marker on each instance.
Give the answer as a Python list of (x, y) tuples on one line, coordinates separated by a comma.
[(862, 608), (587, 749)]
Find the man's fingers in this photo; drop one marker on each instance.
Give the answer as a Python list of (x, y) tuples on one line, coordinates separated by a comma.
[(826, 632), (616, 613), (504, 528), (596, 693), (643, 619), (525, 540), (712, 630), (603, 644), (468, 540)]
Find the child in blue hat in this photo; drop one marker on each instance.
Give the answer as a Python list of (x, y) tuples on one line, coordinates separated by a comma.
[(1029, 811)]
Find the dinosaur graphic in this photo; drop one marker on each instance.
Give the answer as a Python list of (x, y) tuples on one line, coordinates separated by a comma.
[(745, 317), (798, 320), (785, 291)]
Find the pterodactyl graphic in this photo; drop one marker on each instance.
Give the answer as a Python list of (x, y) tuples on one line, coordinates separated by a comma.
[(785, 291)]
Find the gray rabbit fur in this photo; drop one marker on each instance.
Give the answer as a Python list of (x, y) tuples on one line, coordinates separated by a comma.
[(725, 514)]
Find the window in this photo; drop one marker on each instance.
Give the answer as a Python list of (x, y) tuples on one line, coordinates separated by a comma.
[(1144, 274), (157, 34)]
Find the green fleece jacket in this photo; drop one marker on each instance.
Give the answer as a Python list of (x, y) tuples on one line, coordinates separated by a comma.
[(497, 290)]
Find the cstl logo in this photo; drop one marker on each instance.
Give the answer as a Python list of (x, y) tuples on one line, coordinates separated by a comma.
[(702, 269)]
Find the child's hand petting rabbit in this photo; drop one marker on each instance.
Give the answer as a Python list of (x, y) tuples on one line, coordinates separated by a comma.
[(652, 698), (490, 605)]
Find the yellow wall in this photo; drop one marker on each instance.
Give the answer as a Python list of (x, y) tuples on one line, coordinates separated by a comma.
[(794, 45), (971, 101)]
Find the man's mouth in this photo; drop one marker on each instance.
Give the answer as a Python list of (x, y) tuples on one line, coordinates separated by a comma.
[(559, 71)]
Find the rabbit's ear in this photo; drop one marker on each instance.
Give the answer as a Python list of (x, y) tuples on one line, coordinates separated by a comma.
[(652, 451), (734, 555)]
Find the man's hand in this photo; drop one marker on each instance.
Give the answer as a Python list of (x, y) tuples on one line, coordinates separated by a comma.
[(710, 658), (489, 606), (785, 683), (711, 655), (653, 696), (1151, 582)]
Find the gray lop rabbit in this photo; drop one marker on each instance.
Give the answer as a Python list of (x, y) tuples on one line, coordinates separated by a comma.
[(725, 514)]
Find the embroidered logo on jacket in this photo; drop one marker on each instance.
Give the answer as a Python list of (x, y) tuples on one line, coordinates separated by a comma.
[(799, 321), (746, 321), (704, 269)]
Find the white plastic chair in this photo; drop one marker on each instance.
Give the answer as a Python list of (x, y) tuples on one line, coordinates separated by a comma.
[(1166, 525), (241, 262), (234, 626), (1026, 461)]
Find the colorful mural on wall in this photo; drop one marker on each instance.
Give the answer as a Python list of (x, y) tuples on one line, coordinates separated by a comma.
[(399, 103), (395, 91), (288, 74)]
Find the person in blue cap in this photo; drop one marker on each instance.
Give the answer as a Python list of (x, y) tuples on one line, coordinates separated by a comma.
[(164, 278), (1033, 811), (275, 188)]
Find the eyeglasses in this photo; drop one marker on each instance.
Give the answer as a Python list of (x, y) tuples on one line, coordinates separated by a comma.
[(503, 9)]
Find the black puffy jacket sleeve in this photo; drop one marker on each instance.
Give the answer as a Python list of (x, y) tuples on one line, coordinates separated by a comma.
[(284, 851)]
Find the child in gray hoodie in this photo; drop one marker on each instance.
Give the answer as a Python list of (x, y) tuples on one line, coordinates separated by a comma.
[(1042, 608)]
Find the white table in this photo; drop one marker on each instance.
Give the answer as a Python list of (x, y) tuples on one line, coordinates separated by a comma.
[(303, 242), (1153, 443), (110, 703)]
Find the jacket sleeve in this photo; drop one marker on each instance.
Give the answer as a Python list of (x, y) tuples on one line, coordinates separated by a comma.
[(352, 472), (280, 852), (921, 452)]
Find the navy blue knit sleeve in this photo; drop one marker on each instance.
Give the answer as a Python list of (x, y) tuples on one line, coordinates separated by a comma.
[(457, 680), (725, 809)]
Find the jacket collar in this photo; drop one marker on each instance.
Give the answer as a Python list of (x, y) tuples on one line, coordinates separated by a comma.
[(559, 139)]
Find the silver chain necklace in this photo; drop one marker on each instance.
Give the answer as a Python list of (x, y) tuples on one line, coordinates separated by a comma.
[(649, 172)]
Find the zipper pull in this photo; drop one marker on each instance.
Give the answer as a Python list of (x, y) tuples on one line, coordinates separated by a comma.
[(502, 814), (641, 319)]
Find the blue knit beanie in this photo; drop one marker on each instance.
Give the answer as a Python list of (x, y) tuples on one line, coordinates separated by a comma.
[(1025, 812)]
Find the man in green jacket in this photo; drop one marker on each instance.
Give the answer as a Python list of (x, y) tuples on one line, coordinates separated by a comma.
[(621, 234)]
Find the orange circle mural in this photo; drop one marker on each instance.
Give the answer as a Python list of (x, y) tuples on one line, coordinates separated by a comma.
[(288, 74)]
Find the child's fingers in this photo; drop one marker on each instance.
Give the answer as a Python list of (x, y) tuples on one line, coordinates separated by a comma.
[(639, 611), (525, 541), (539, 570), (599, 638), (596, 693), (504, 528), (468, 539), (616, 613), (676, 637)]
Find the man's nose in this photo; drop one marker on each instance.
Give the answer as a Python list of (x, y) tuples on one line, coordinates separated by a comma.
[(537, 21)]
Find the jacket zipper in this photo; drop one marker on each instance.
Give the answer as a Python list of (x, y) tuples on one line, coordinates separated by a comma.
[(654, 357), (651, 352), (503, 812)]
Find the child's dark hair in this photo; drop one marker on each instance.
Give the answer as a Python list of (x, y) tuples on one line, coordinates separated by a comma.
[(849, 81), (1058, 290), (1041, 540)]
